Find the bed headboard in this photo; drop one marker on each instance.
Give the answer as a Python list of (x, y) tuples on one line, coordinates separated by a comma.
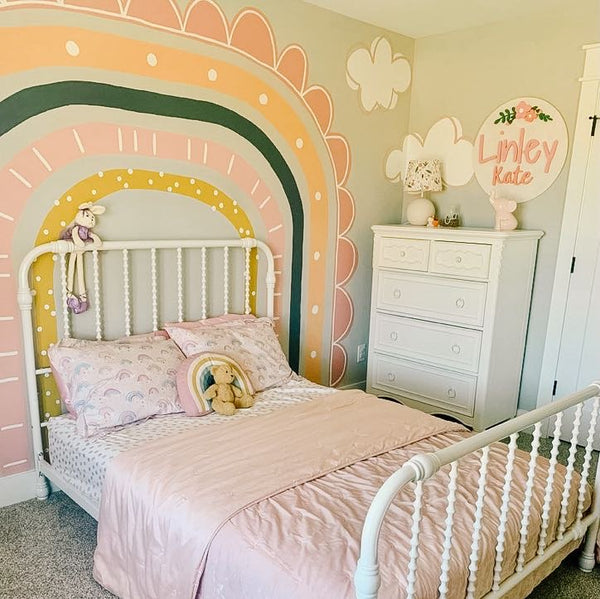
[(133, 287)]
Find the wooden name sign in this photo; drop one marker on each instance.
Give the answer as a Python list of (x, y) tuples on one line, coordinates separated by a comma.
[(520, 149)]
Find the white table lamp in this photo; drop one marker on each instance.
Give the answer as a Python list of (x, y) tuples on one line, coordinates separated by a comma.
[(422, 176)]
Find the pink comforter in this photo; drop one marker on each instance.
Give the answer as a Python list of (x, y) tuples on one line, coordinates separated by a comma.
[(162, 505)]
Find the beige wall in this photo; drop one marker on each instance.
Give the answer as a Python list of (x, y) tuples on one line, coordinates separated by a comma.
[(466, 74)]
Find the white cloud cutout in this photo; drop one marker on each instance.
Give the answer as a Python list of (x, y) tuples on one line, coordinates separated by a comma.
[(378, 74), (444, 141)]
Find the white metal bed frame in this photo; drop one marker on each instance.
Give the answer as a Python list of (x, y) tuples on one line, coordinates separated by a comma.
[(415, 472), (61, 249), (422, 467)]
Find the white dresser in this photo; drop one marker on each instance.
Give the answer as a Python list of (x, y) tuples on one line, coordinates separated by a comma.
[(449, 312)]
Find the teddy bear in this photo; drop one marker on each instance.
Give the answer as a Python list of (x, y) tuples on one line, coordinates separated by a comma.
[(225, 396)]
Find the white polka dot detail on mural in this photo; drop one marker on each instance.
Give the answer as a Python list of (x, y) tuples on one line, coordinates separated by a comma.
[(299, 143), (151, 59), (130, 171), (150, 182), (316, 256), (313, 354), (263, 99), (46, 231), (318, 195), (72, 48), (100, 174), (57, 202), (212, 75), (315, 309)]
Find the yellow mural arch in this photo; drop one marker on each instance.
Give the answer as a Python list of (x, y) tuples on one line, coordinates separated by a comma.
[(94, 188)]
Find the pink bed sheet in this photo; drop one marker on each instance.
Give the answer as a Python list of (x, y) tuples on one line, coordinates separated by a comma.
[(300, 541)]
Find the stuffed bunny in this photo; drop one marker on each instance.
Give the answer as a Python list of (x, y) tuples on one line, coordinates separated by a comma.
[(505, 220), (80, 233)]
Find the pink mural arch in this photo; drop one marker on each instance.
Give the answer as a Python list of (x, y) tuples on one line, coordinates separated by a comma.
[(35, 164), (250, 34)]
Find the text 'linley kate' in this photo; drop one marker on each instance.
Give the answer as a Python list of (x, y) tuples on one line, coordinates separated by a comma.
[(515, 152)]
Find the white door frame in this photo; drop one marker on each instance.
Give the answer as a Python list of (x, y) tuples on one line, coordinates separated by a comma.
[(590, 84)]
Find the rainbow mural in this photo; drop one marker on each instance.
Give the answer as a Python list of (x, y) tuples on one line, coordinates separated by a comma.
[(232, 80)]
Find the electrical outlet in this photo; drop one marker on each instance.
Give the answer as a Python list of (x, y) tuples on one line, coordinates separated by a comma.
[(361, 352)]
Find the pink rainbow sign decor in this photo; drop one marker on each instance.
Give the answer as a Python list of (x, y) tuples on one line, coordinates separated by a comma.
[(520, 149)]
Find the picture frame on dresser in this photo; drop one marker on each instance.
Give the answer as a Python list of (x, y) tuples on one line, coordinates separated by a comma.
[(449, 316)]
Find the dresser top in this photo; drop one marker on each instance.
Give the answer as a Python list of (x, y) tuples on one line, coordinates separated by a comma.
[(453, 232)]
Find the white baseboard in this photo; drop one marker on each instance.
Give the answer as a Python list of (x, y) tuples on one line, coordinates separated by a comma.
[(358, 385), (17, 487)]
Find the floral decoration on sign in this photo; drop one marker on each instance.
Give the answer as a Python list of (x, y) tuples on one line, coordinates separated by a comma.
[(523, 110)]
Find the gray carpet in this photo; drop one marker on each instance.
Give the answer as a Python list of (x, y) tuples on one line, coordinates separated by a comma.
[(46, 552)]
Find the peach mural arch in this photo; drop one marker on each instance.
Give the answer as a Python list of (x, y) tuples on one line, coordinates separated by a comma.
[(248, 34)]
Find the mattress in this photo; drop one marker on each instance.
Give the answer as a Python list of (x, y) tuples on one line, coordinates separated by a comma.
[(83, 462)]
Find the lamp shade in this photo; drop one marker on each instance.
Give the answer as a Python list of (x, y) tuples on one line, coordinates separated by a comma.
[(423, 175)]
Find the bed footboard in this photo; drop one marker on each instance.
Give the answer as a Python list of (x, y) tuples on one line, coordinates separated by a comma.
[(420, 468)]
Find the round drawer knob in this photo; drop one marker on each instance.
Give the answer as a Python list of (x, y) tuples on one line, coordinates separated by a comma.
[(402, 254), (393, 336), (455, 349), (391, 377), (397, 293), (460, 302), (451, 393), (458, 259)]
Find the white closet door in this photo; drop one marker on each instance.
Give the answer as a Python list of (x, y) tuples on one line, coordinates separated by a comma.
[(579, 355)]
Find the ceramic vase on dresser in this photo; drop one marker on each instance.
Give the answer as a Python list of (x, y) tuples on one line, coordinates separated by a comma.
[(449, 314)]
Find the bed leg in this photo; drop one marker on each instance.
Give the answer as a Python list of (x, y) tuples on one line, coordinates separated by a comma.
[(366, 581), (42, 489), (587, 558)]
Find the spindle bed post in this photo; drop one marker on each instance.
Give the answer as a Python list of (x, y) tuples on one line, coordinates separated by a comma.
[(367, 578), (127, 298)]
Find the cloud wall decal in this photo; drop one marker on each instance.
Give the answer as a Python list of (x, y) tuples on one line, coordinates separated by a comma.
[(443, 141), (378, 75)]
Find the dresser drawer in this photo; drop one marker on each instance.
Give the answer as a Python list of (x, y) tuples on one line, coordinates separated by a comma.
[(433, 298), (406, 254), (464, 259), (437, 387), (437, 344)]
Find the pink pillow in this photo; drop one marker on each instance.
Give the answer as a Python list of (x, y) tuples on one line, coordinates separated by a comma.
[(253, 344), (111, 383), (209, 322), (194, 378), (57, 373)]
